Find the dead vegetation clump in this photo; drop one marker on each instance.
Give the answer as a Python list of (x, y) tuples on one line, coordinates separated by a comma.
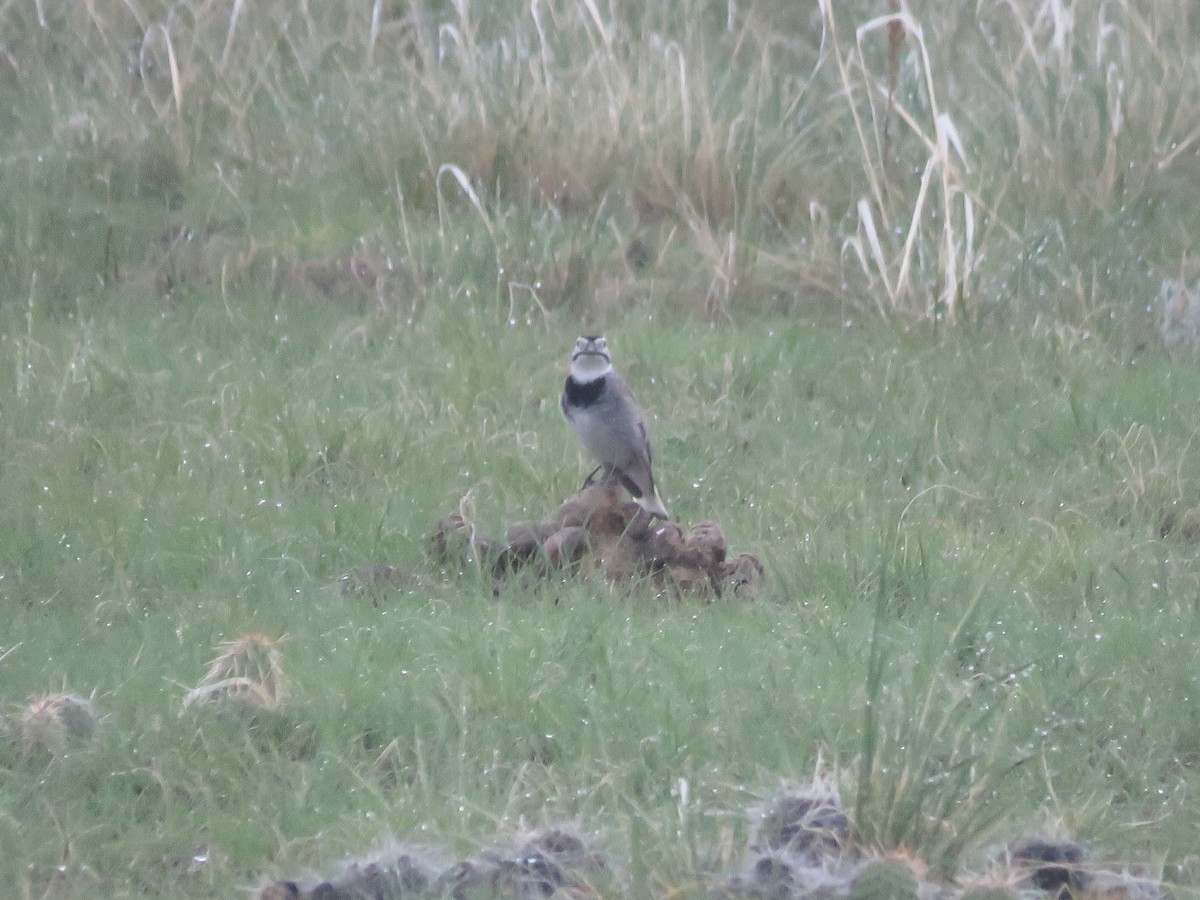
[(247, 674), (594, 534), (52, 724), (245, 687)]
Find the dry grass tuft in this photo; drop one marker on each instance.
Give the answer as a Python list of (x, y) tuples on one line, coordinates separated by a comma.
[(52, 723), (248, 672)]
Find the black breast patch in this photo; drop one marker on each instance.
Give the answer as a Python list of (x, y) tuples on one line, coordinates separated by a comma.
[(583, 393)]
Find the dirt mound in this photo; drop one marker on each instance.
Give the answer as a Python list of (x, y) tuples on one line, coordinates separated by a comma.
[(596, 534)]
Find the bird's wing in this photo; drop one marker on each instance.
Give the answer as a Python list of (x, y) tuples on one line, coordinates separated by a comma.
[(638, 418), (562, 402), (645, 433)]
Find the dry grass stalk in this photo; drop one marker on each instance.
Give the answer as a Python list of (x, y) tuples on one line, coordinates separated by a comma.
[(890, 266)]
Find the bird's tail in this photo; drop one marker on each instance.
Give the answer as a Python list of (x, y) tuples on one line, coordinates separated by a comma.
[(653, 505)]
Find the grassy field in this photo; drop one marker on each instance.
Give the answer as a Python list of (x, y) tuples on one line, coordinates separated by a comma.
[(279, 287)]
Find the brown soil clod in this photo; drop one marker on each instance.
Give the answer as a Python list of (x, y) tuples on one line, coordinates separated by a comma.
[(743, 575), (810, 824), (566, 547), (1054, 866)]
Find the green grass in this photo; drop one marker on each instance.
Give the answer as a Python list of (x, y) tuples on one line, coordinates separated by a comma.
[(979, 516), (281, 285)]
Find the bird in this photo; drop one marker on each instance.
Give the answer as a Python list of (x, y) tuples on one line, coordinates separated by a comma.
[(606, 417)]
